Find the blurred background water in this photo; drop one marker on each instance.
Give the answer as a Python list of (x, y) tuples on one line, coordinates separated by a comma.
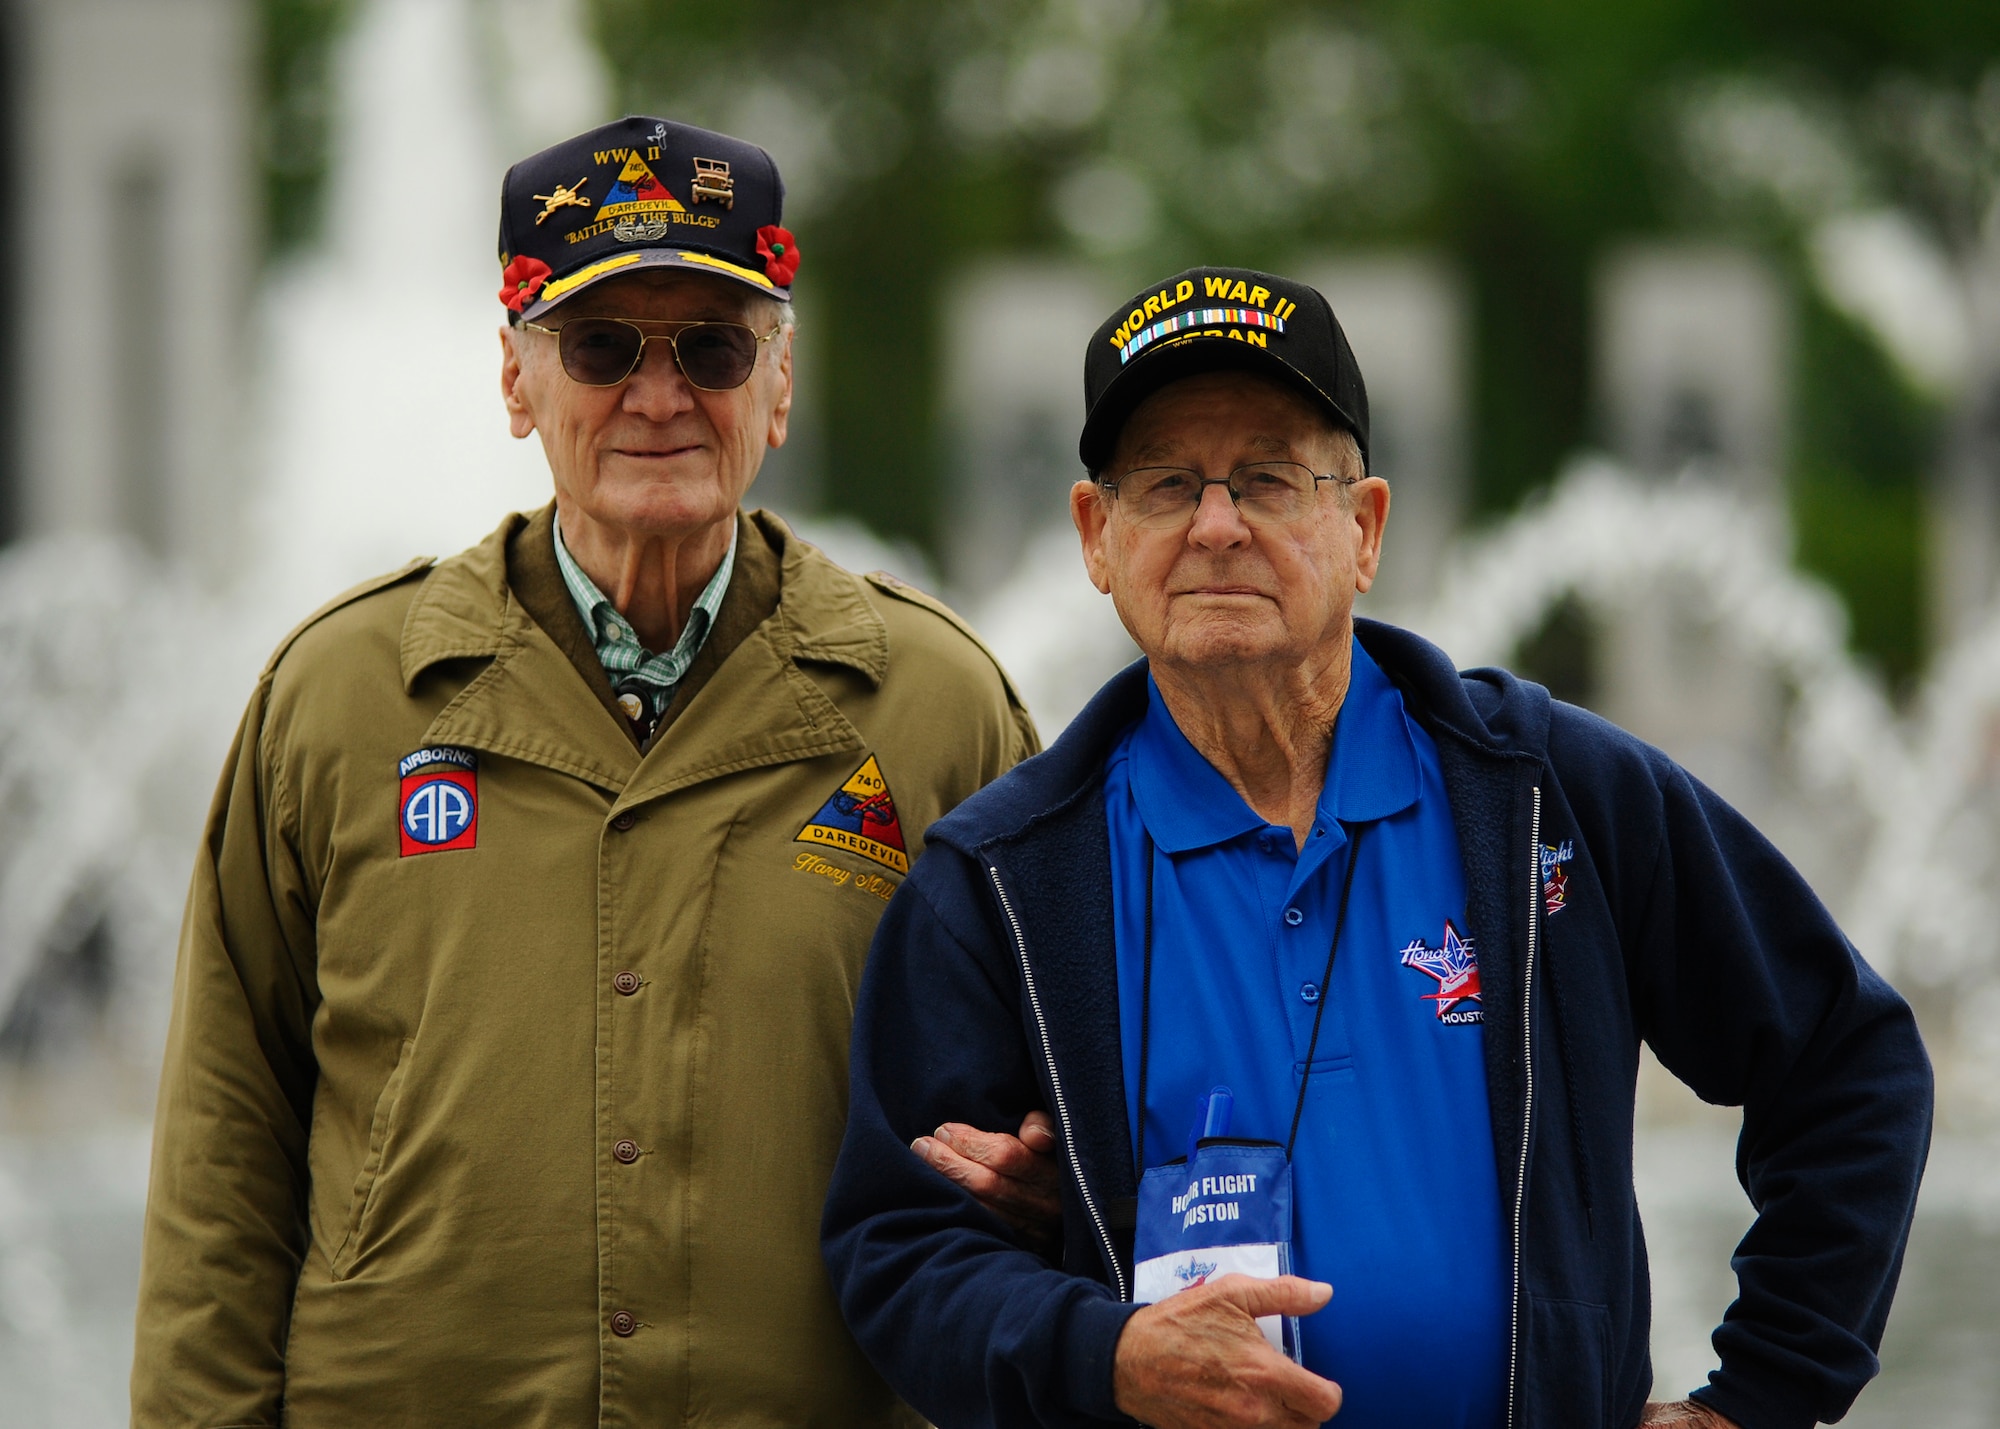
[(1681, 324)]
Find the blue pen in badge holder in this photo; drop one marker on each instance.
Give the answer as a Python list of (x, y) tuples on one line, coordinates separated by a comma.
[(1226, 1207)]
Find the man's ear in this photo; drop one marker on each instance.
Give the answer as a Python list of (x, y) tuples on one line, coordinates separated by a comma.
[(1086, 509), (1368, 509), (520, 417), (781, 414)]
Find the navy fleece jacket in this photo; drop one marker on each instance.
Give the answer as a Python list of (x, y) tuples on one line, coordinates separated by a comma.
[(991, 991)]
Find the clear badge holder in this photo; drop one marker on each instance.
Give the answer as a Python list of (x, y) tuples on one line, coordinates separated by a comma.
[(1223, 1209)]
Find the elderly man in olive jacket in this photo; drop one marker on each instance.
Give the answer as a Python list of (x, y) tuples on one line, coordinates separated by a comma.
[(509, 1047)]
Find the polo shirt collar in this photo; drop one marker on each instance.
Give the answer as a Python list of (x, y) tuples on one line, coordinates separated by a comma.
[(1372, 769)]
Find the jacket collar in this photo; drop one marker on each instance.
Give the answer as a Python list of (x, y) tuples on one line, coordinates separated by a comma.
[(530, 702)]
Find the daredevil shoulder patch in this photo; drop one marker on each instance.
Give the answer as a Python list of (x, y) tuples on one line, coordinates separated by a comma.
[(860, 817)]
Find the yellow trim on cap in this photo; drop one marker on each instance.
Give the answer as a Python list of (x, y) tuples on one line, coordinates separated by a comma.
[(550, 292), (728, 267)]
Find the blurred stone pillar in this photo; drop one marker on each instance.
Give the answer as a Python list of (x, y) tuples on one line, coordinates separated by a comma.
[(1694, 353), (135, 217), (1405, 317), (1693, 359), (1965, 500), (1013, 346)]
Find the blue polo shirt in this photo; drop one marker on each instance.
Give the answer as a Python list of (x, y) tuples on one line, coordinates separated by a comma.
[(1396, 1188)]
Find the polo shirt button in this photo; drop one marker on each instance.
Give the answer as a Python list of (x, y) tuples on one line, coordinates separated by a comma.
[(623, 1323), (1309, 994), (1293, 917), (624, 821), (626, 983), (626, 1151)]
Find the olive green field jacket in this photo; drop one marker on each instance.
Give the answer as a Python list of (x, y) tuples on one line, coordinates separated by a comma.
[(508, 1059)]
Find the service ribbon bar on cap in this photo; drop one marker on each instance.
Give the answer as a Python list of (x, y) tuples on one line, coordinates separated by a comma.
[(1203, 317)]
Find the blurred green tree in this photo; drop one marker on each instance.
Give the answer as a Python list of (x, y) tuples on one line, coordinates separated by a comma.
[(295, 133), (1520, 137)]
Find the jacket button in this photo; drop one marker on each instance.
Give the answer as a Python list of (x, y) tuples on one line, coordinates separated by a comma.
[(1309, 994), (625, 984), (626, 1151), (623, 1323), (1293, 917), (624, 821)]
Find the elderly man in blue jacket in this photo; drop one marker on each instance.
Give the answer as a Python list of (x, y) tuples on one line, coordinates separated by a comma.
[(1331, 965)]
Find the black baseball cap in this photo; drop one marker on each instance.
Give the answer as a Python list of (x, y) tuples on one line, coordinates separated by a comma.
[(1216, 319), (641, 193)]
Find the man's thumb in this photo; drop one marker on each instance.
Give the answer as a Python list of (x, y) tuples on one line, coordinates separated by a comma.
[(1287, 1295)]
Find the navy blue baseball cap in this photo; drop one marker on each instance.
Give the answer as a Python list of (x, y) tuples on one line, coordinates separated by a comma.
[(641, 193), (1215, 319)]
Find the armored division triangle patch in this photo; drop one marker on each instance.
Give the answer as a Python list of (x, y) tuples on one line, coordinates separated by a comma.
[(861, 818), (637, 190)]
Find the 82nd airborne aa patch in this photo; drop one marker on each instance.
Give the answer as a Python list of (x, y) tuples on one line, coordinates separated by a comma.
[(439, 805), (861, 818)]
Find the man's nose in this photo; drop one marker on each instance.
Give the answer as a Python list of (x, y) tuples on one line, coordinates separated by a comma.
[(1217, 522), (658, 388)]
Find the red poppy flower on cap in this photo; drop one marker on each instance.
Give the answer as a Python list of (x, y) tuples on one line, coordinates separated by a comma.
[(523, 279), (780, 252)]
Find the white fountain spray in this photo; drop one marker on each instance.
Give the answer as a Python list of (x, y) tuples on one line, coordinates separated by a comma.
[(383, 428)]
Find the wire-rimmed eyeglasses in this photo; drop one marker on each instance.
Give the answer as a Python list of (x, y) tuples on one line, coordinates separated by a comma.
[(1266, 493)]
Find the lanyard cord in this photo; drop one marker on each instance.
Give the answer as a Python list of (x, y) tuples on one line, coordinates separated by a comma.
[(1325, 986), (1319, 1013), (1146, 1007)]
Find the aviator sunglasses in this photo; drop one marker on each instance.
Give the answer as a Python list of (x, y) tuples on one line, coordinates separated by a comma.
[(602, 352)]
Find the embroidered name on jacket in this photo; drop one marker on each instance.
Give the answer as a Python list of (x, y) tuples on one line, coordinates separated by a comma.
[(861, 818), (1455, 966), (439, 806), (1555, 882)]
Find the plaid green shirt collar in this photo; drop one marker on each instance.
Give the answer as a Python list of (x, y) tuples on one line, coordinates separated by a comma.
[(644, 681)]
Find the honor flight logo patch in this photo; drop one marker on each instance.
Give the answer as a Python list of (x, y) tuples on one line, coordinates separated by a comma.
[(439, 807), (1455, 966), (861, 818)]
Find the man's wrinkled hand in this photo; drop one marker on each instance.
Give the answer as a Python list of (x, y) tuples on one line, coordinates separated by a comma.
[(1684, 1414), (1015, 1177), (1197, 1360)]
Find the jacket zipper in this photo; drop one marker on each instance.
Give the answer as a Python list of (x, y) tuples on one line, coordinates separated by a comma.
[(1055, 1081), (1528, 1101)]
